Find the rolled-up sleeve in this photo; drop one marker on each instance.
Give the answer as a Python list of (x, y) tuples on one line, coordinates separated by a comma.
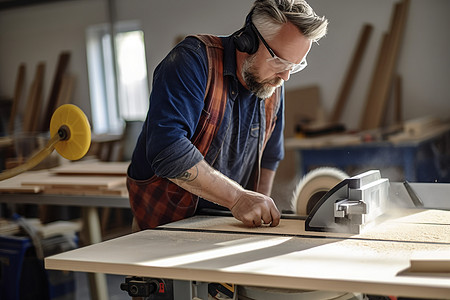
[(176, 159)]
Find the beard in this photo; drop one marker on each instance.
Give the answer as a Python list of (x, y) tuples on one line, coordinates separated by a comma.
[(261, 89)]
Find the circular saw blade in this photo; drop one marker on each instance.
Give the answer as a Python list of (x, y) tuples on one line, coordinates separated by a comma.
[(313, 186)]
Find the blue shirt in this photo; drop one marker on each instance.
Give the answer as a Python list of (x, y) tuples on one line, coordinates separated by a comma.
[(176, 101)]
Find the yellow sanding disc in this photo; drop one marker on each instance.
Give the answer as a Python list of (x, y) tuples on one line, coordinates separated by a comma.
[(70, 120), (313, 186)]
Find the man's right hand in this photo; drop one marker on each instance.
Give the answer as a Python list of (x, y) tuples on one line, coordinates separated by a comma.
[(254, 209), (251, 208)]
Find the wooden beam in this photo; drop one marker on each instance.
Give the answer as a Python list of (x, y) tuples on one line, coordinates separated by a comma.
[(385, 69), (352, 72), (18, 90), (33, 108), (398, 98), (66, 90), (61, 67)]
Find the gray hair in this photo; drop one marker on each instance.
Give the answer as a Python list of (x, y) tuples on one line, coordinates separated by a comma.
[(269, 15)]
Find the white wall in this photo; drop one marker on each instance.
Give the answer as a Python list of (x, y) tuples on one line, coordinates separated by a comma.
[(39, 33)]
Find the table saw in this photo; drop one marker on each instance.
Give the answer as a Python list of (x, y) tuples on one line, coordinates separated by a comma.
[(404, 252)]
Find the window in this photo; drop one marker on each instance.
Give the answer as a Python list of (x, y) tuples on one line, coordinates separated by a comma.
[(117, 76)]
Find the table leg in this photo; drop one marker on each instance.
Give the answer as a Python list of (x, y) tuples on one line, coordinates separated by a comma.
[(97, 281), (188, 290), (201, 290)]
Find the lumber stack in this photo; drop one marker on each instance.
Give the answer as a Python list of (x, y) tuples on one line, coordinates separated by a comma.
[(78, 178), (384, 75), (43, 231), (27, 120), (352, 71), (37, 112)]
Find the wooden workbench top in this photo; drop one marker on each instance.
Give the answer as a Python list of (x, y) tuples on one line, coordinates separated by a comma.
[(407, 225), (220, 249)]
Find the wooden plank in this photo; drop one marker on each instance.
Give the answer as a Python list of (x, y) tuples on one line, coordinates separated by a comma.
[(120, 190), (398, 99), (392, 116), (33, 107), (14, 184), (422, 226), (9, 227), (366, 117), (269, 261), (331, 140), (61, 67), (431, 262), (92, 168), (5, 141), (379, 90), (344, 92), (418, 130), (18, 90), (67, 183), (66, 91), (303, 106)]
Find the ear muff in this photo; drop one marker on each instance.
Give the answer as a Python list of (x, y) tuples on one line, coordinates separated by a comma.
[(246, 39)]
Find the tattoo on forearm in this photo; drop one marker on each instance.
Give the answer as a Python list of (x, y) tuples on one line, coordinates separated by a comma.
[(189, 175)]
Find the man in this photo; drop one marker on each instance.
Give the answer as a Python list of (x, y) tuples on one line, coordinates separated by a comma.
[(213, 136)]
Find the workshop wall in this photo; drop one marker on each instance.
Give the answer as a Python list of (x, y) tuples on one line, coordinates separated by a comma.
[(40, 32)]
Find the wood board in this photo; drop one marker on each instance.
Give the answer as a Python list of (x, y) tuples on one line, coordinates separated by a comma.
[(18, 90), (431, 262), (14, 184), (318, 263), (55, 182), (352, 71), (120, 190), (5, 141), (303, 106), (332, 140), (66, 91), (385, 70), (63, 61), (92, 168), (49, 183), (412, 225), (34, 102)]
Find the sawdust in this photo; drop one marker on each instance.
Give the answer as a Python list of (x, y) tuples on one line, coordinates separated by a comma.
[(431, 226), (431, 216), (391, 249), (409, 232)]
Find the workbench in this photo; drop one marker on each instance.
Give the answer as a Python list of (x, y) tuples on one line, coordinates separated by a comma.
[(89, 185), (384, 260), (418, 159)]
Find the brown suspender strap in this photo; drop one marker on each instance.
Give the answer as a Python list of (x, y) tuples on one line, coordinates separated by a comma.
[(272, 105), (158, 201), (216, 96)]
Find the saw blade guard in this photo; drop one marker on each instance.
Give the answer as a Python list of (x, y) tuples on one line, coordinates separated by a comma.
[(351, 205)]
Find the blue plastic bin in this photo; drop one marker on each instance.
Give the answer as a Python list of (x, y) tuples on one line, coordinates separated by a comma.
[(22, 274)]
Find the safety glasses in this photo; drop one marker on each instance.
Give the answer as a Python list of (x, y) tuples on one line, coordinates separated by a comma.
[(277, 63)]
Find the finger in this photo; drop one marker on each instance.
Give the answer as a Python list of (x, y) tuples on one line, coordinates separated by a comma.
[(267, 217), (257, 222), (275, 217), (249, 220)]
